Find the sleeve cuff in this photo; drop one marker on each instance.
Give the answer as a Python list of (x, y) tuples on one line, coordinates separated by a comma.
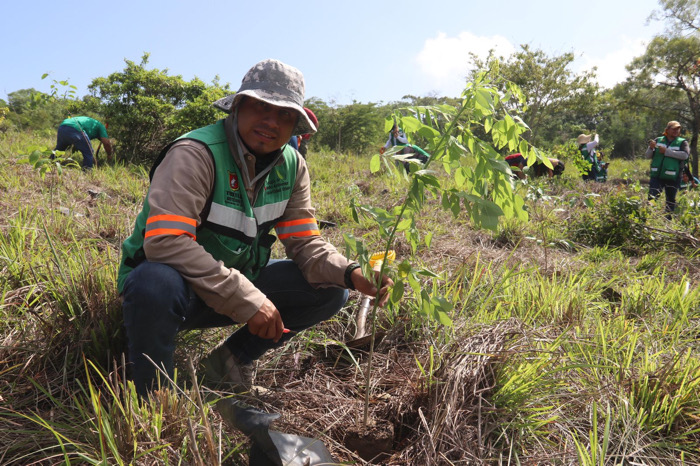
[(348, 274)]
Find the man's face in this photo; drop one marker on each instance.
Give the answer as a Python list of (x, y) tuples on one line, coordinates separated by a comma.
[(673, 132), (264, 128)]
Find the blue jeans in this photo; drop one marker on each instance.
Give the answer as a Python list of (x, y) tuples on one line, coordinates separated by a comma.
[(158, 304), (670, 188), (69, 136)]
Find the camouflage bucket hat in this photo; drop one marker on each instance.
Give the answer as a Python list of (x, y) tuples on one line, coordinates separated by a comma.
[(276, 83)]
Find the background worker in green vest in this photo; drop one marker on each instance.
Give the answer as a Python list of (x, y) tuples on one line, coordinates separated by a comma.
[(668, 154), (77, 132), (587, 144), (199, 254), (398, 138)]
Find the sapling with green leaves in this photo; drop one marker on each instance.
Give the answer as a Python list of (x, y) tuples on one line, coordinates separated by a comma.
[(458, 140), (44, 161)]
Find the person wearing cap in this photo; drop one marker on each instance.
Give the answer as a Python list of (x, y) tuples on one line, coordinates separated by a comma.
[(78, 132), (688, 180), (398, 138), (586, 145), (540, 169), (199, 253), (300, 142), (517, 161), (304, 138), (668, 154)]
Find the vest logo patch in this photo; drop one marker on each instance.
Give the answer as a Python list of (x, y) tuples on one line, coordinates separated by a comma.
[(233, 181)]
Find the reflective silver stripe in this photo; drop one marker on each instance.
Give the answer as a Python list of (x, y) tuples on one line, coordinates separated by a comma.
[(232, 218), (172, 225), (311, 226), (237, 220), (270, 212)]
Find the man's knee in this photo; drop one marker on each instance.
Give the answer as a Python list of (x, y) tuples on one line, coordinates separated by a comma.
[(335, 299), (152, 290)]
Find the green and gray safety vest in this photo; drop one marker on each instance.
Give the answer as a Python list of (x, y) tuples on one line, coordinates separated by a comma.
[(666, 168), (232, 230), (596, 169)]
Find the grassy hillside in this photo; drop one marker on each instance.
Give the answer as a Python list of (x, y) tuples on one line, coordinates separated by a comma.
[(573, 336)]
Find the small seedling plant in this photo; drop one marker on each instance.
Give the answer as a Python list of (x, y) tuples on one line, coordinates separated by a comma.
[(467, 143)]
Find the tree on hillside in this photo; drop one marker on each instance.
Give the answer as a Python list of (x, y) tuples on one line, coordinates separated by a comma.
[(672, 64), (147, 108), (681, 13), (630, 117), (427, 101), (32, 109), (353, 128), (558, 102)]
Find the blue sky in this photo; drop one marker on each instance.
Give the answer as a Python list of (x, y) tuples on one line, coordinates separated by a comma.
[(363, 50)]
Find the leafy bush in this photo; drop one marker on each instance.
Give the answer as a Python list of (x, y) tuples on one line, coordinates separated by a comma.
[(570, 152), (354, 128), (689, 211), (31, 109), (147, 108), (618, 222)]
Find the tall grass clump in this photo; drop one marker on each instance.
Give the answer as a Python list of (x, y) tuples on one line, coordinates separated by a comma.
[(567, 335)]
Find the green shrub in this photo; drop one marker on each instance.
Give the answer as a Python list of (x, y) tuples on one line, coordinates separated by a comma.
[(618, 221), (147, 108)]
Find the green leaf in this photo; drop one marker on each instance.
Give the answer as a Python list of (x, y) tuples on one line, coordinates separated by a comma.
[(388, 124), (350, 244), (455, 205), (441, 317), (375, 164), (484, 101), (428, 273), (428, 239), (410, 124), (43, 76), (429, 179), (404, 269), (353, 210), (428, 133), (414, 284), (34, 157), (523, 148), (460, 177), (404, 224), (397, 292)]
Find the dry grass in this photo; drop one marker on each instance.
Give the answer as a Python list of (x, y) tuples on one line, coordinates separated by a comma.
[(438, 388)]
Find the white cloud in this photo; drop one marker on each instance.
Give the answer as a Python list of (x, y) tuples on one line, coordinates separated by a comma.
[(444, 60), (611, 67)]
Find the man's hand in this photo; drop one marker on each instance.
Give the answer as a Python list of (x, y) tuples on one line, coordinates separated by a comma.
[(652, 144), (368, 288), (267, 322)]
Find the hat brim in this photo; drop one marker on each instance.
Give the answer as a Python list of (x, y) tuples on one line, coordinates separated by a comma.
[(583, 139), (304, 124)]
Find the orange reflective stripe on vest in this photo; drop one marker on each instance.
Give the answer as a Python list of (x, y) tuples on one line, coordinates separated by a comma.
[(170, 225), (301, 227)]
